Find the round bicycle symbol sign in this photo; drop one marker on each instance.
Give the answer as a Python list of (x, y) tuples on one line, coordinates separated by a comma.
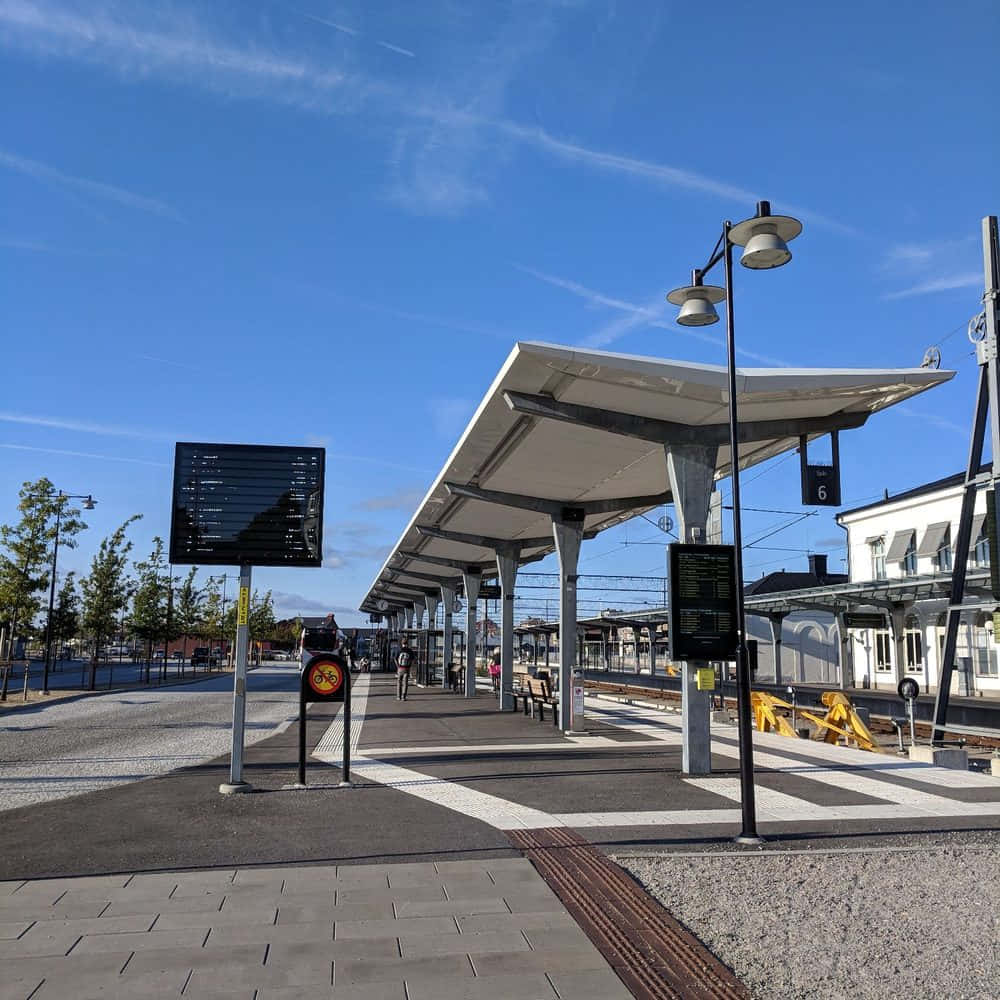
[(325, 678)]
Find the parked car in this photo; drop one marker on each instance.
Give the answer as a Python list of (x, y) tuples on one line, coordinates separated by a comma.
[(177, 655), (201, 657)]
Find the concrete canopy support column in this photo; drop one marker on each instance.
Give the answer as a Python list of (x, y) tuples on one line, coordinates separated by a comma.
[(447, 609), (846, 670), (897, 619), (431, 600), (408, 617), (691, 471), (776, 622), (652, 649), (507, 571), (471, 580), (568, 533)]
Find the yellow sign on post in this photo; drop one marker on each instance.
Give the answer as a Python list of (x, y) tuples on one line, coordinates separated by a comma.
[(706, 679), (243, 610)]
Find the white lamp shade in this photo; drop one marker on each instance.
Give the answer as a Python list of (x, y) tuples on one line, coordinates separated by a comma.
[(765, 250), (697, 304), (697, 312)]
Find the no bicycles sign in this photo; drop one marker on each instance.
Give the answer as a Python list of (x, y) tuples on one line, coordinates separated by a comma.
[(323, 679)]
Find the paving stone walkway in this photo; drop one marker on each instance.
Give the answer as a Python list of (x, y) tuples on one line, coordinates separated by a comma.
[(451, 930)]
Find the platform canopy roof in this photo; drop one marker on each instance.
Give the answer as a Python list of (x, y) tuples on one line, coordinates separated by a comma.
[(574, 426)]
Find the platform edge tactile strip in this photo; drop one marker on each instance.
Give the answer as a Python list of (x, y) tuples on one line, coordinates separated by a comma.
[(653, 954)]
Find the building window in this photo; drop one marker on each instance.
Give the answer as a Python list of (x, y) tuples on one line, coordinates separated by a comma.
[(910, 557), (883, 654), (981, 549), (878, 559), (984, 654), (914, 646), (942, 559)]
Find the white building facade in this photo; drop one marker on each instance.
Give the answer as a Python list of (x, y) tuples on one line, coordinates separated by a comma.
[(911, 538)]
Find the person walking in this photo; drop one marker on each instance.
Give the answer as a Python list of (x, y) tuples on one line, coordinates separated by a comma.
[(404, 660), (494, 669)]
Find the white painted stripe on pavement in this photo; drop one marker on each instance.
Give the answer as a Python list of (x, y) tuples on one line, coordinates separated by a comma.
[(330, 748), (497, 812)]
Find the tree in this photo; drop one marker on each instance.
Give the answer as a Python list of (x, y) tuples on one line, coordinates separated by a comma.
[(261, 619), (66, 613), (188, 608), (149, 603), (105, 590), (25, 559)]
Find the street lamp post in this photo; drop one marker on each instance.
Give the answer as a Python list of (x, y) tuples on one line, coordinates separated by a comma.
[(88, 504), (764, 239)]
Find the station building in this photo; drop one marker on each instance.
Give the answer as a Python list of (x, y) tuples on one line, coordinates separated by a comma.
[(905, 543)]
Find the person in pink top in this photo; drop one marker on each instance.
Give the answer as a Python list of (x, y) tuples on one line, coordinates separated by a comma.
[(494, 669)]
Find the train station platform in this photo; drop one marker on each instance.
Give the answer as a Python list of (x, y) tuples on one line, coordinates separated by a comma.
[(471, 859)]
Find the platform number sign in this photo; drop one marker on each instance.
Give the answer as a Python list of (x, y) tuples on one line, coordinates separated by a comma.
[(820, 483), (822, 486)]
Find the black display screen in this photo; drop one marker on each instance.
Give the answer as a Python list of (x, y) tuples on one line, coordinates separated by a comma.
[(703, 602), (258, 505)]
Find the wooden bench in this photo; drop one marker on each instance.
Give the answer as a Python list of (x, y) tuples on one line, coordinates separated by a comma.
[(541, 695), (519, 690)]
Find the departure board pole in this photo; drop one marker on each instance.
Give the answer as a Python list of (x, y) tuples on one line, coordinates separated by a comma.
[(236, 783)]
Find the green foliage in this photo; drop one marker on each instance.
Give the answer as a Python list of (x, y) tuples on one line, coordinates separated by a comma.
[(261, 617), (106, 589), (66, 613), (189, 603), (26, 555), (149, 603), (209, 624)]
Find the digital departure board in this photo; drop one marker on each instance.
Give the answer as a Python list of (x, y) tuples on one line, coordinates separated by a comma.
[(258, 505), (702, 602)]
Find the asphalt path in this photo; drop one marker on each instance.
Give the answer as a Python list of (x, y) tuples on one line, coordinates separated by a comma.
[(70, 747)]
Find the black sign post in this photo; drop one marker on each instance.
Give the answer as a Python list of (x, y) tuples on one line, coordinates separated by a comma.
[(703, 602), (325, 677)]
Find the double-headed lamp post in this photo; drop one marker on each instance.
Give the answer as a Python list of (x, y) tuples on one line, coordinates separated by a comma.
[(89, 503), (764, 239)]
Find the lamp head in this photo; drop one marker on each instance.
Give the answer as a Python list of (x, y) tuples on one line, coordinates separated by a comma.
[(697, 302), (765, 238), (89, 503)]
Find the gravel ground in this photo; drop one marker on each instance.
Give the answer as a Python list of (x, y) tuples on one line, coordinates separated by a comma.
[(866, 924), (70, 747)]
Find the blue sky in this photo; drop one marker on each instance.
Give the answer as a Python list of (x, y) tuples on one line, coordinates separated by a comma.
[(287, 222)]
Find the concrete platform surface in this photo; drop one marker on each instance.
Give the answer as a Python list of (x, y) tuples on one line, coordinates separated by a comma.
[(489, 930)]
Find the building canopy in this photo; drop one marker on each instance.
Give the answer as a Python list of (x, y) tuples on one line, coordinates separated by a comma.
[(590, 429)]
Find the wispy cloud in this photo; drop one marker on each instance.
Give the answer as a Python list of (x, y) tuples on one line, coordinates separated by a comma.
[(410, 316), (166, 361), (450, 414), (84, 426), (441, 158), (86, 454), (403, 499), (291, 603), (332, 24), (635, 316), (661, 174), (933, 419), (949, 283), (94, 189), (40, 246), (396, 48)]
